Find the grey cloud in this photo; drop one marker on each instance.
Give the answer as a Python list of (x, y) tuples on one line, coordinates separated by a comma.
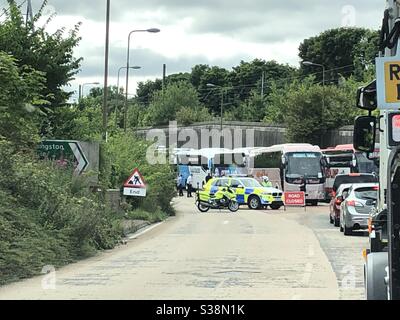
[(150, 62), (252, 20)]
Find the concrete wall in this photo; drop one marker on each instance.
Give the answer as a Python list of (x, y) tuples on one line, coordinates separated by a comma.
[(264, 135), (92, 153), (113, 199), (238, 134)]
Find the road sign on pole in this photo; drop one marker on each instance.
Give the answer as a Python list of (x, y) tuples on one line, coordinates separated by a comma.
[(65, 153), (135, 186)]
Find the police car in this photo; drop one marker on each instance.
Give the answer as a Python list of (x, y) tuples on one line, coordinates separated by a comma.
[(248, 191)]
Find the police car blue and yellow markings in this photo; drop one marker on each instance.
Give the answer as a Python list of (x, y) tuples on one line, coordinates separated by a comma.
[(267, 195)]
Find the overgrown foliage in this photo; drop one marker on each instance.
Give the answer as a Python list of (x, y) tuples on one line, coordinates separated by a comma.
[(47, 216), (51, 54), (309, 110)]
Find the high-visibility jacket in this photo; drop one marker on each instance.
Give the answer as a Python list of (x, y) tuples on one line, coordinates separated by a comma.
[(266, 184)]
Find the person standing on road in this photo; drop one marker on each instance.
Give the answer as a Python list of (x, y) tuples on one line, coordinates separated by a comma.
[(189, 184), (266, 182), (180, 184), (303, 186)]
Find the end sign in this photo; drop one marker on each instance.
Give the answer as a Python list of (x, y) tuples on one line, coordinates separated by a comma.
[(135, 186)]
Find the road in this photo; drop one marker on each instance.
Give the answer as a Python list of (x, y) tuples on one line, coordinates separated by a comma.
[(266, 254)]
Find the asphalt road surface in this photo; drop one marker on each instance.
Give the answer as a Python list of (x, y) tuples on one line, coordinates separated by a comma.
[(252, 255)]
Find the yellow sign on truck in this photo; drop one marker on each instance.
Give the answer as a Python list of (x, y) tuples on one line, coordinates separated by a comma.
[(388, 82)]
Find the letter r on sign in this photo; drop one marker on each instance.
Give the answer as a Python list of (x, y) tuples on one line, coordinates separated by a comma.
[(394, 72)]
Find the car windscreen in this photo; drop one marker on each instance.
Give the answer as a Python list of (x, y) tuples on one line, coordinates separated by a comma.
[(353, 179), (366, 193), (304, 164), (341, 160), (250, 183)]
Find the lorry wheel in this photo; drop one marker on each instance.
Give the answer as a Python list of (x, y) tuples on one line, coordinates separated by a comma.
[(254, 203), (336, 222), (348, 231), (374, 276)]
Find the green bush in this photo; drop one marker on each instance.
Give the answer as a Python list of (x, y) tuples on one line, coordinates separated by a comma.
[(47, 217), (124, 153)]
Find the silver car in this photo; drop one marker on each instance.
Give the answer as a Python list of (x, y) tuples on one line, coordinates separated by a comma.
[(356, 207)]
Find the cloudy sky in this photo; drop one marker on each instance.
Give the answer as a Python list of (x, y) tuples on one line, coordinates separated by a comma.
[(214, 32)]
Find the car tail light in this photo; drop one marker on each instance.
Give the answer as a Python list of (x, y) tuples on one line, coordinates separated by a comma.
[(353, 203), (354, 175), (370, 225), (375, 188)]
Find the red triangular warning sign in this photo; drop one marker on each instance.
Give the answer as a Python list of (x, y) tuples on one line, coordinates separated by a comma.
[(135, 180)]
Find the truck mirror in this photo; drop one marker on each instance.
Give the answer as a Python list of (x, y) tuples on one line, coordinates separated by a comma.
[(367, 98), (364, 133)]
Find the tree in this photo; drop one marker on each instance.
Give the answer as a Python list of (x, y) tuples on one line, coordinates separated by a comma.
[(300, 107), (175, 100), (51, 54), (145, 91), (248, 76), (19, 97), (338, 50)]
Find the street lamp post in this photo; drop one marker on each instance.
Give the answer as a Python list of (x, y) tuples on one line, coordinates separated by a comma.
[(309, 63), (119, 72), (81, 87), (211, 85), (122, 68), (151, 30), (106, 57)]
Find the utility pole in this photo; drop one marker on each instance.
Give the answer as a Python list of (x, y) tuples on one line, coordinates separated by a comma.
[(164, 76), (29, 13), (262, 84), (105, 90)]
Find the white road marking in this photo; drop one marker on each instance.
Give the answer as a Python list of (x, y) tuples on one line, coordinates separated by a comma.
[(311, 251), (136, 235), (307, 273)]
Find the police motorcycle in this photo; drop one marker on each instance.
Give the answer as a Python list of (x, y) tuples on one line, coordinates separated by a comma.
[(224, 198)]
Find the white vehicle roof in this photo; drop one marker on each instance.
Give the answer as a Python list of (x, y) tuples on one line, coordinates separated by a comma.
[(211, 152), (284, 148)]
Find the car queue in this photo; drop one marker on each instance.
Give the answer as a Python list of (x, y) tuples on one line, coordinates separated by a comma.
[(354, 198)]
